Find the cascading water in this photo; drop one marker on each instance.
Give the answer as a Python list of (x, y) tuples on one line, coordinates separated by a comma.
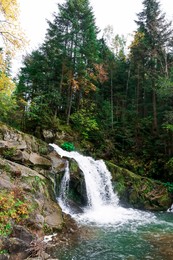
[(103, 203), (64, 188), (97, 180), (117, 233)]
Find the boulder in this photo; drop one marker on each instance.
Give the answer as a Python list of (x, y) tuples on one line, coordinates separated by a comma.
[(13, 144), (53, 217), (22, 233), (36, 159), (21, 156), (138, 191), (5, 182), (48, 135), (58, 163), (17, 248)]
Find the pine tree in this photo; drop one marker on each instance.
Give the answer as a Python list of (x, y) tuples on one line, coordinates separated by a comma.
[(150, 51), (75, 33), (62, 71)]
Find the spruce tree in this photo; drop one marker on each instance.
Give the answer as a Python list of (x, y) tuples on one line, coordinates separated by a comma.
[(149, 53), (62, 71), (73, 34)]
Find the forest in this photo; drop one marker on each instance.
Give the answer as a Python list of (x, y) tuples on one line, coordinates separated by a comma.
[(114, 100)]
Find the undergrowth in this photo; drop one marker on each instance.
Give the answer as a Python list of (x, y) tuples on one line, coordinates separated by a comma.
[(13, 210)]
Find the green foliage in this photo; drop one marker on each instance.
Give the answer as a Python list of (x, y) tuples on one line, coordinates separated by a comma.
[(47, 229), (43, 150), (168, 127), (86, 122), (8, 153), (38, 180), (8, 108), (3, 251), (38, 184), (68, 146), (170, 163), (13, 209), (53, 76), (75, 83), (6, 167), (169, 167), (120, 187), (169, 186)]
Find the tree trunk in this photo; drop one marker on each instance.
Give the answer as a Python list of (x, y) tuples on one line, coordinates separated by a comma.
[(69, 104), (155, 123), (112, 103)]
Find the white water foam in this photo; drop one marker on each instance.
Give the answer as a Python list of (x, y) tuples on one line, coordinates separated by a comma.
[(170, 209), (114, 216), (103, 204), (64, 189)]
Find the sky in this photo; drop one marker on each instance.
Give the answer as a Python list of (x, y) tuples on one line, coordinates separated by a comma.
[(118, 13)]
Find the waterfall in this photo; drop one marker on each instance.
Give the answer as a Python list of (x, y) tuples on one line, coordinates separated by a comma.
[(103, 203), (97, 180), (170, 209), (64, 188)]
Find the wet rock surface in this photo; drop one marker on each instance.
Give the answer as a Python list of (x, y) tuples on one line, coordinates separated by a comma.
[(162, 244)]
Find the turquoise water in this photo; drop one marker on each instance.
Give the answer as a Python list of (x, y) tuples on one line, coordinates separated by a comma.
[(133, 240)]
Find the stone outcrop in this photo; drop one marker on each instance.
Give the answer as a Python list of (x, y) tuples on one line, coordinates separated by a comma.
[(138, 191), (29, 166)]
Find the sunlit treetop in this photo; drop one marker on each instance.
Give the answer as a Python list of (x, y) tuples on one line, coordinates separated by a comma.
[(11, 36), (9, 9)]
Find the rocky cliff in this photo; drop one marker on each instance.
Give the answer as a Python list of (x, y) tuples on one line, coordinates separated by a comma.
[(28, 207)]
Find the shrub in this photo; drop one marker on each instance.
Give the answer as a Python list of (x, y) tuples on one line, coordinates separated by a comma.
[(68, 146), (169, 186), (8, 153), (85, 123), (12, 210)]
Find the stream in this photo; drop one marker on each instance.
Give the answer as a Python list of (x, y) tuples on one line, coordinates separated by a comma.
[(110, 231)]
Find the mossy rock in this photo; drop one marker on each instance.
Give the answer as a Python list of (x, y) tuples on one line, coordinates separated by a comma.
[(77, 189), (140, 192)]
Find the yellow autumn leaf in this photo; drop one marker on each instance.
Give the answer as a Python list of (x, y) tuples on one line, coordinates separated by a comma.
[(11, 35), (7, 86)]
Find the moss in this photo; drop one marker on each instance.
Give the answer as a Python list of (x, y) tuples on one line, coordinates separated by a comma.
[(8, 153), (47, 229), (141, 192), (43, 150), (120, 187), (37, 185), (5, 167), (74, 168)]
